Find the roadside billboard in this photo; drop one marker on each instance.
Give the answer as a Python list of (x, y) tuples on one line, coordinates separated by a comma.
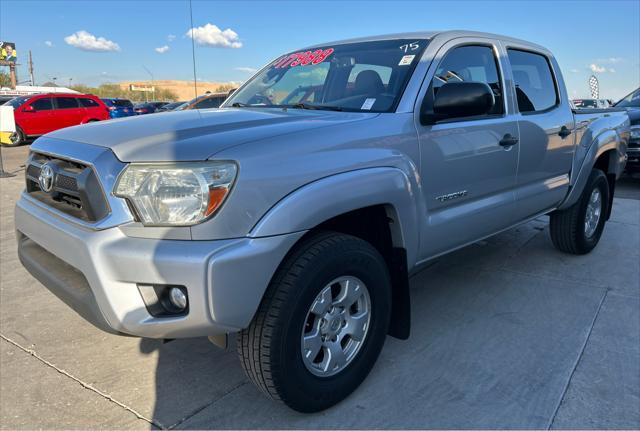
[(8, 52)]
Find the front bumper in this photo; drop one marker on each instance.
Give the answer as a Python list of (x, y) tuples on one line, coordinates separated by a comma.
[(633, 159), (97, 273)]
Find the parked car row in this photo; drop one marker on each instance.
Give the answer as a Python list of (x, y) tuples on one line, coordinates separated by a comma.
[(43, 113), (35, 115)]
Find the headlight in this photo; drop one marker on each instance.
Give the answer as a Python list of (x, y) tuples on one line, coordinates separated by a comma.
[(635, 133), (178, 194)]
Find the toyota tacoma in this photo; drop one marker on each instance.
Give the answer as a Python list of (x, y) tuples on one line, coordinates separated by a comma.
[(294, 215)]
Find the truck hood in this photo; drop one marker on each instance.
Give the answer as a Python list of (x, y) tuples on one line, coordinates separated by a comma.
[(197, 134)]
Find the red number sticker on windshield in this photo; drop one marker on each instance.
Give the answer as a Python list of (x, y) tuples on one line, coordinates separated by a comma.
[(303, 58)]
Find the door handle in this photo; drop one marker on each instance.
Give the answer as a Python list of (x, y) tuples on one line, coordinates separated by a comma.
[(564, 132), (508, 140)]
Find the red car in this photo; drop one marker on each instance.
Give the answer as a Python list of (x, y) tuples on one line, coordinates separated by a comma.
[(43, 113)]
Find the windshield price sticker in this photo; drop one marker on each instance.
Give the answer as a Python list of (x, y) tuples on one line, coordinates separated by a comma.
[(406, 60), (303, 58)]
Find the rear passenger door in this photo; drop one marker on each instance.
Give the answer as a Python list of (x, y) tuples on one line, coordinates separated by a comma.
[(468, 164), (92, 109), (68, 112), (546, 122)]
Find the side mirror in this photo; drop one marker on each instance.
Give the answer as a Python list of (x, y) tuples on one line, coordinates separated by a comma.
[(29, 108), (460, 99)]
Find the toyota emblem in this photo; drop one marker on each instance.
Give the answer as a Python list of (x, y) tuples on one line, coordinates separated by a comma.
[(45, 179)]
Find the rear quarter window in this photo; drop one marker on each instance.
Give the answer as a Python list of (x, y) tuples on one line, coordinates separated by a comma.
[(88, 103), (66, 102), (535, 85)]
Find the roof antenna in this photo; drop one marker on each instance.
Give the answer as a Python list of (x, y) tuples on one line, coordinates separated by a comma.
[(193, 52)]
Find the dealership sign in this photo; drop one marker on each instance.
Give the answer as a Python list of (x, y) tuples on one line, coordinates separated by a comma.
[(138, 87)]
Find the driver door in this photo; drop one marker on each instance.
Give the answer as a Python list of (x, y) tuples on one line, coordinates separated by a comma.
[(468, 164), (37, 122)]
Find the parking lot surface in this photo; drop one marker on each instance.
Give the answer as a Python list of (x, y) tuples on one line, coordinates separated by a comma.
[(507, 333)]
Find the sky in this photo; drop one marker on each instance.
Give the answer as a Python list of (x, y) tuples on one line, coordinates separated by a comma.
[(94, 42)]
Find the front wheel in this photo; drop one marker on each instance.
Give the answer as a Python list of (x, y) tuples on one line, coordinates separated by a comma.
[(577, 229), (321, 324)]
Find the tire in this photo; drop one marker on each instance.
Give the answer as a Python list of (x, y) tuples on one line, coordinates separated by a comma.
[(270, 349), (17, 138), (569, 230)]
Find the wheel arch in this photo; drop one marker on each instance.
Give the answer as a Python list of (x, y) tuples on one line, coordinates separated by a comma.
[(374, 204), (606, 152)]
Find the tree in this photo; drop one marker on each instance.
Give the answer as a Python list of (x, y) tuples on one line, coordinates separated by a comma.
[(5, 79), (117, 91), (224, 88)]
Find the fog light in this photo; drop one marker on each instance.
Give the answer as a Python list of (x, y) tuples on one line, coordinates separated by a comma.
[(178, 298)]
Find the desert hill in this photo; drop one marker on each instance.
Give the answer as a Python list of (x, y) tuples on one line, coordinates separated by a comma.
[(184, 89)]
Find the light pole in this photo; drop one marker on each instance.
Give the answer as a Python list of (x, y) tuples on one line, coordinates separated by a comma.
[(153, 87)]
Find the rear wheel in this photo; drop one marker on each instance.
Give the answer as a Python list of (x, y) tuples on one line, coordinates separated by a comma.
[(577, 229), (321, 324)]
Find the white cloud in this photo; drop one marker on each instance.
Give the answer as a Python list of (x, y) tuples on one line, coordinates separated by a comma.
[(246, 69), (171, 37), (48, 43), (210, 35), (610, 60), (162, 49), (597, 69), (87, 42), (574, 71)]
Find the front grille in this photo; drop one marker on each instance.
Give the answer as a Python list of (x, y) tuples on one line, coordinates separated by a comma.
[(75, 189)]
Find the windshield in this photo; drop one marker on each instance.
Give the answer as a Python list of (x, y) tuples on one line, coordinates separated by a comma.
[(365, 76), (17, 102), (631, 101)]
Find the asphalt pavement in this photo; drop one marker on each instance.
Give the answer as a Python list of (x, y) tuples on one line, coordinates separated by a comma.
[(507, 333)]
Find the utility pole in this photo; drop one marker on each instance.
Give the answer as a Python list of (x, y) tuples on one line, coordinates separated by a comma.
[(153, 87), (31, 69)]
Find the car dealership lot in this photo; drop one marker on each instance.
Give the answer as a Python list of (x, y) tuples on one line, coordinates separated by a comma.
[(507, 333)]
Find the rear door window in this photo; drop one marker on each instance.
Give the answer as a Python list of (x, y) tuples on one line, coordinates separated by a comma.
[(44, 104), (535, 86), (88, 103), (66, 102)]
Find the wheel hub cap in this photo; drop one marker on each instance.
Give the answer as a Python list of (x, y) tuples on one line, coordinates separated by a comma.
[(592, 215), (336, 326)]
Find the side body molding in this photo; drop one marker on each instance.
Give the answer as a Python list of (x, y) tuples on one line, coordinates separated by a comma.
[(331, 196)]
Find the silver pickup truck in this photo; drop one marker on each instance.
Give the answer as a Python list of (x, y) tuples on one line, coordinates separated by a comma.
[(294, 215)]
